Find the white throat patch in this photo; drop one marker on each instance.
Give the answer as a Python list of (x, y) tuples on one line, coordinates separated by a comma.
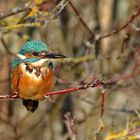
[(20, 56), (37, 63)]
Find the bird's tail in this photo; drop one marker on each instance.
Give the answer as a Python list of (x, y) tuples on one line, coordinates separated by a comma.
[(31, 105)]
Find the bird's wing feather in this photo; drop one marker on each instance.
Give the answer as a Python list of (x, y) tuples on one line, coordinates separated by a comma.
[(16, 75)]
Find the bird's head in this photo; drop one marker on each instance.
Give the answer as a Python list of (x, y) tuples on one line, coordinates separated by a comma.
[(38, 49), (34, 51)]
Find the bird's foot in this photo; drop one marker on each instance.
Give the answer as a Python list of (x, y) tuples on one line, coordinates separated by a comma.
[(50, 98)]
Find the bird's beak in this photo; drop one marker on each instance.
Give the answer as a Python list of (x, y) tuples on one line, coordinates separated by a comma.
[(52, 55)]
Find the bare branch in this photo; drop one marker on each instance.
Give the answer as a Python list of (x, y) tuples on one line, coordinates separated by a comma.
[(131, 19), (14, 11), (82, 20), (70, 125), (95, 83)]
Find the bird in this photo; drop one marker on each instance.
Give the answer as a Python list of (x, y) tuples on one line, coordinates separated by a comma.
[(32, 73)]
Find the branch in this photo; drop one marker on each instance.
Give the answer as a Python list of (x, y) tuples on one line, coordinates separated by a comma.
[(6, 47), (97, 82), (132, 132), (52, 15), (81, 59), (132, 18), (9, 96), (94, 37), (21, 25), (70, 125), (44, 5), (82, 20), (14, 11)]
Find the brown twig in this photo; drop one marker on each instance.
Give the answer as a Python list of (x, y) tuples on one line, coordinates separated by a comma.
[(132, 132), (82, 20), (70, 125), (102, 104), (126, 39), (26, 7), (132, 18), (117, 30), (14, 11), (6, 47), (55, 12)]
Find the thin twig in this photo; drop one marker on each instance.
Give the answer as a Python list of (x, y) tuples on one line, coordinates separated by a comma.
[(132, 18), (70, 126), (14, 11), (52, 15), (6, 47), (132, 132), (102, 104), (82, 20)]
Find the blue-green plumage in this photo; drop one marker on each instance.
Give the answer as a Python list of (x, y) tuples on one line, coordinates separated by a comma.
[(30, 47), (33, 46), (18, 61)]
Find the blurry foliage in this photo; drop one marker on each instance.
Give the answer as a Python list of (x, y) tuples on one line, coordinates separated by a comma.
[(101, 37)]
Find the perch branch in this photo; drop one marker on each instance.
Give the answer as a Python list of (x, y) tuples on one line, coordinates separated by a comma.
[(95, 83)]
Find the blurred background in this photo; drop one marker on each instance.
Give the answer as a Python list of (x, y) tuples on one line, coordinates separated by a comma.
[(75, 29)]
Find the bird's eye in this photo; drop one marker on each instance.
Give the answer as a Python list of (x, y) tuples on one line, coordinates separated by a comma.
[(35, 53)]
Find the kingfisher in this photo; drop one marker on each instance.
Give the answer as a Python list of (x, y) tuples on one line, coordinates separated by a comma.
[(32, 73)]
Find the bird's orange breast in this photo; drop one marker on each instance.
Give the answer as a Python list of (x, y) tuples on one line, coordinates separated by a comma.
[(32, 83)]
